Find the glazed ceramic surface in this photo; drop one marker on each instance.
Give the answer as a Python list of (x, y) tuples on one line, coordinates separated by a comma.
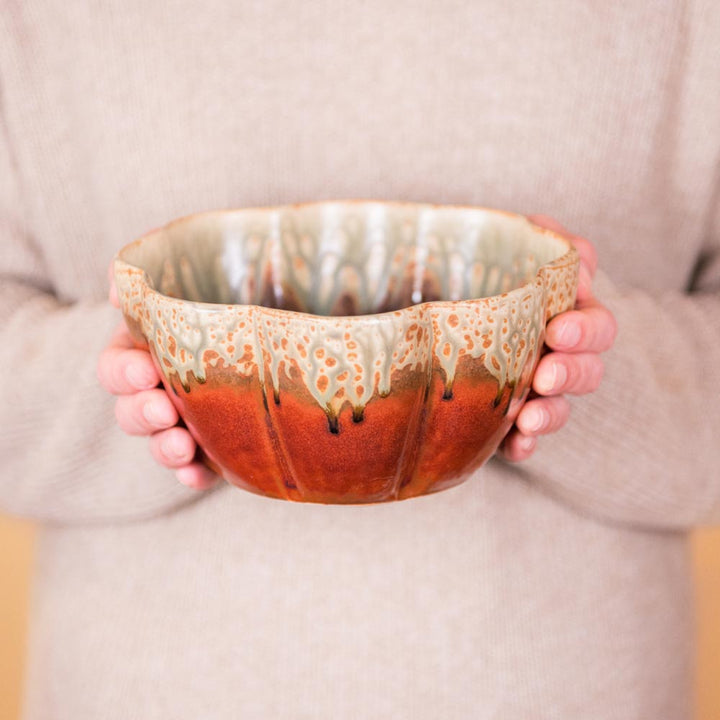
[(346, 352)]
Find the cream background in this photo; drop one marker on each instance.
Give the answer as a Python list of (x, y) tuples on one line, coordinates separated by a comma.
[(16, 541)]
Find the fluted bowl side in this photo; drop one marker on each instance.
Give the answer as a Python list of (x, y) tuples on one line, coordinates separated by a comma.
[(346, 352)]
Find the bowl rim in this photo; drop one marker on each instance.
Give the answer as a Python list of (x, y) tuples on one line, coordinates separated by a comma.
[(569, 257)]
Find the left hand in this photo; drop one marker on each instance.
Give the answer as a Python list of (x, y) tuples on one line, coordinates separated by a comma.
[(576, 338), (144, 408)]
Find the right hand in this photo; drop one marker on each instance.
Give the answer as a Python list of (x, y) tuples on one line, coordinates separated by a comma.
[(144, 408)]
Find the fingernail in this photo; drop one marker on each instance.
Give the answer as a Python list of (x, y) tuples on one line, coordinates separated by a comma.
[(160, 416), (534, 419), (551, 378), (568, 335), (172, 448), (526, 443), (559, 376), (140, 377), (196, 478)]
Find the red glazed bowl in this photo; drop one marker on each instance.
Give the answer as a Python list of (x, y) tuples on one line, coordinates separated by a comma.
[(346, 352)]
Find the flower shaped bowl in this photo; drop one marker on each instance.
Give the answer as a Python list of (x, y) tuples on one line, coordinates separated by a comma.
[(346, 352)]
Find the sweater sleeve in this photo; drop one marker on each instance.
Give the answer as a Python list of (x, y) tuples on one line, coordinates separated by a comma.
[(644, 449), (62, 457)]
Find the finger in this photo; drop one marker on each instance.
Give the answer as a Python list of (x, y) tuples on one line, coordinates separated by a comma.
[(517, 447), (123, 369), (584, 295), (144, 413), (590, 329), (173, 448), (197, 476), (543, 415), (588, 254), (577, 374), (121, 337), (112, 292)]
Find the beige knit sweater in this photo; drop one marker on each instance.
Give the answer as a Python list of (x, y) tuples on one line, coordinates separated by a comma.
[(555, 589)]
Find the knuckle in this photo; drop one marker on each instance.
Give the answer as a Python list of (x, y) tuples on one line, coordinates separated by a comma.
[(110, 371), (588, 375), (584, 291), (599, 329), (591, 256), (573, 373), (597, 374), (123, 416), (605, 329), (583, 374), (559, 413), (612, 330), (588, 331), (587, 252), (155, 443)]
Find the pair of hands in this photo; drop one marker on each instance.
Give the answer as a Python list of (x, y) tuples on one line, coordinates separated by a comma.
[(576, 338)]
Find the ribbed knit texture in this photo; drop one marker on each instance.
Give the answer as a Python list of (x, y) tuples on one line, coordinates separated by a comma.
[(554, 589)]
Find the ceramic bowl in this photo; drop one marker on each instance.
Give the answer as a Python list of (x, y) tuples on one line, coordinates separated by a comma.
[(346, 352)]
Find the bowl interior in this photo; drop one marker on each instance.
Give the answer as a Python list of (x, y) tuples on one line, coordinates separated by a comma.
[(343, 258)]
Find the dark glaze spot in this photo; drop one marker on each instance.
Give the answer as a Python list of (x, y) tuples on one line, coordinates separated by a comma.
[(358, 415), (447, 394), (333, 424), (513, 388), (498, 397)]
